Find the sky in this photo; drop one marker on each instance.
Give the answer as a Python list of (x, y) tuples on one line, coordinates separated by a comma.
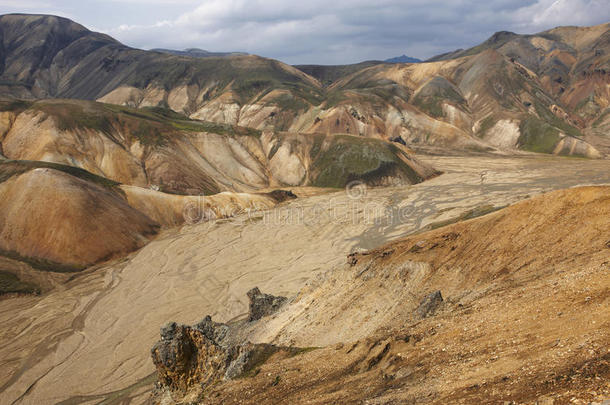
[(317, 31)]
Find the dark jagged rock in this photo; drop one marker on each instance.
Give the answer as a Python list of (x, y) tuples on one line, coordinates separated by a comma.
[(188, 356), (429, 305), (399, 140), (352, 259), (185, 356), (263, 304), (282, 195), (202, 354)]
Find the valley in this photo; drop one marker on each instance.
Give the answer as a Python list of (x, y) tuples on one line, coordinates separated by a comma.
[(207, 227), (109, 315)]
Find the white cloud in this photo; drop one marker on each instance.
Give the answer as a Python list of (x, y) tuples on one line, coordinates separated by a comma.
[(343, 31), (545, 14), (24, 5)]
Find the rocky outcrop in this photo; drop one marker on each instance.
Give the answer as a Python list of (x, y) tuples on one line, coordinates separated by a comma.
[(196, 356), (429, 305), (203, 354), (188, 354), (262, 305)]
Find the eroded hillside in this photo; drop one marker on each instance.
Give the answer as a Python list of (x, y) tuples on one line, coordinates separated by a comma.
[(207, 268), (115, 175), (545, 93), (508, 307), (63, 219), (160, 149)]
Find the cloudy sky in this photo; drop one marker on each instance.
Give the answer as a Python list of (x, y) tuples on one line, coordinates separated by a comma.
[(317, 31)]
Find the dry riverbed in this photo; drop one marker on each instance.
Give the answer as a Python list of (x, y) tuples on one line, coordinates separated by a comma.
[(88, 340)]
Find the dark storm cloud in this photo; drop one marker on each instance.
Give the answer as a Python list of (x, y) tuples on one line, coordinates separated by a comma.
[(323, 31)]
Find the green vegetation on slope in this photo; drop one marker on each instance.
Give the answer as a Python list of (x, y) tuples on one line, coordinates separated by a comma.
[(288, 102), (42, 264), (10, 284), (432, 95), (71, 116), (348, 158), (548, 116), (537, 136), (10, 168), (246, 76), (328, 74), (151, 126), (599, 121), (487, 123)]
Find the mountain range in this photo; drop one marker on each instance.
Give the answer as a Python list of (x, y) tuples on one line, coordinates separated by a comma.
[(422, 230), (190, 125), (541, 93)]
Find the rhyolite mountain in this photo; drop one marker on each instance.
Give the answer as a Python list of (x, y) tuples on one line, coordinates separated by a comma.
[(160, 149), (115, 173), (546, 92)]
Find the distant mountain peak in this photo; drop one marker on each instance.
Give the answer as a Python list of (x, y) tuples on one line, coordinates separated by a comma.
[(403, 59)]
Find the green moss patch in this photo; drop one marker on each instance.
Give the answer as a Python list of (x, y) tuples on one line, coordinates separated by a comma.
[(345, 158), (537, 136), (431, 97), (10, 168), (10, 284)]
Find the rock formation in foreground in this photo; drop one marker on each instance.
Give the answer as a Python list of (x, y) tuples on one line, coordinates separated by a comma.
[(196, 357), (511, 307)]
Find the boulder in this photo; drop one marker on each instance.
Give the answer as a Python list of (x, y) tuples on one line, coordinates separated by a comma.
[(262, 305), (187, 356), (429, 305)]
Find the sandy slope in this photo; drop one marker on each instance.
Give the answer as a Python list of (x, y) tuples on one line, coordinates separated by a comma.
[(503, 250), (524, 317), (110, 316), (171, 210)]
